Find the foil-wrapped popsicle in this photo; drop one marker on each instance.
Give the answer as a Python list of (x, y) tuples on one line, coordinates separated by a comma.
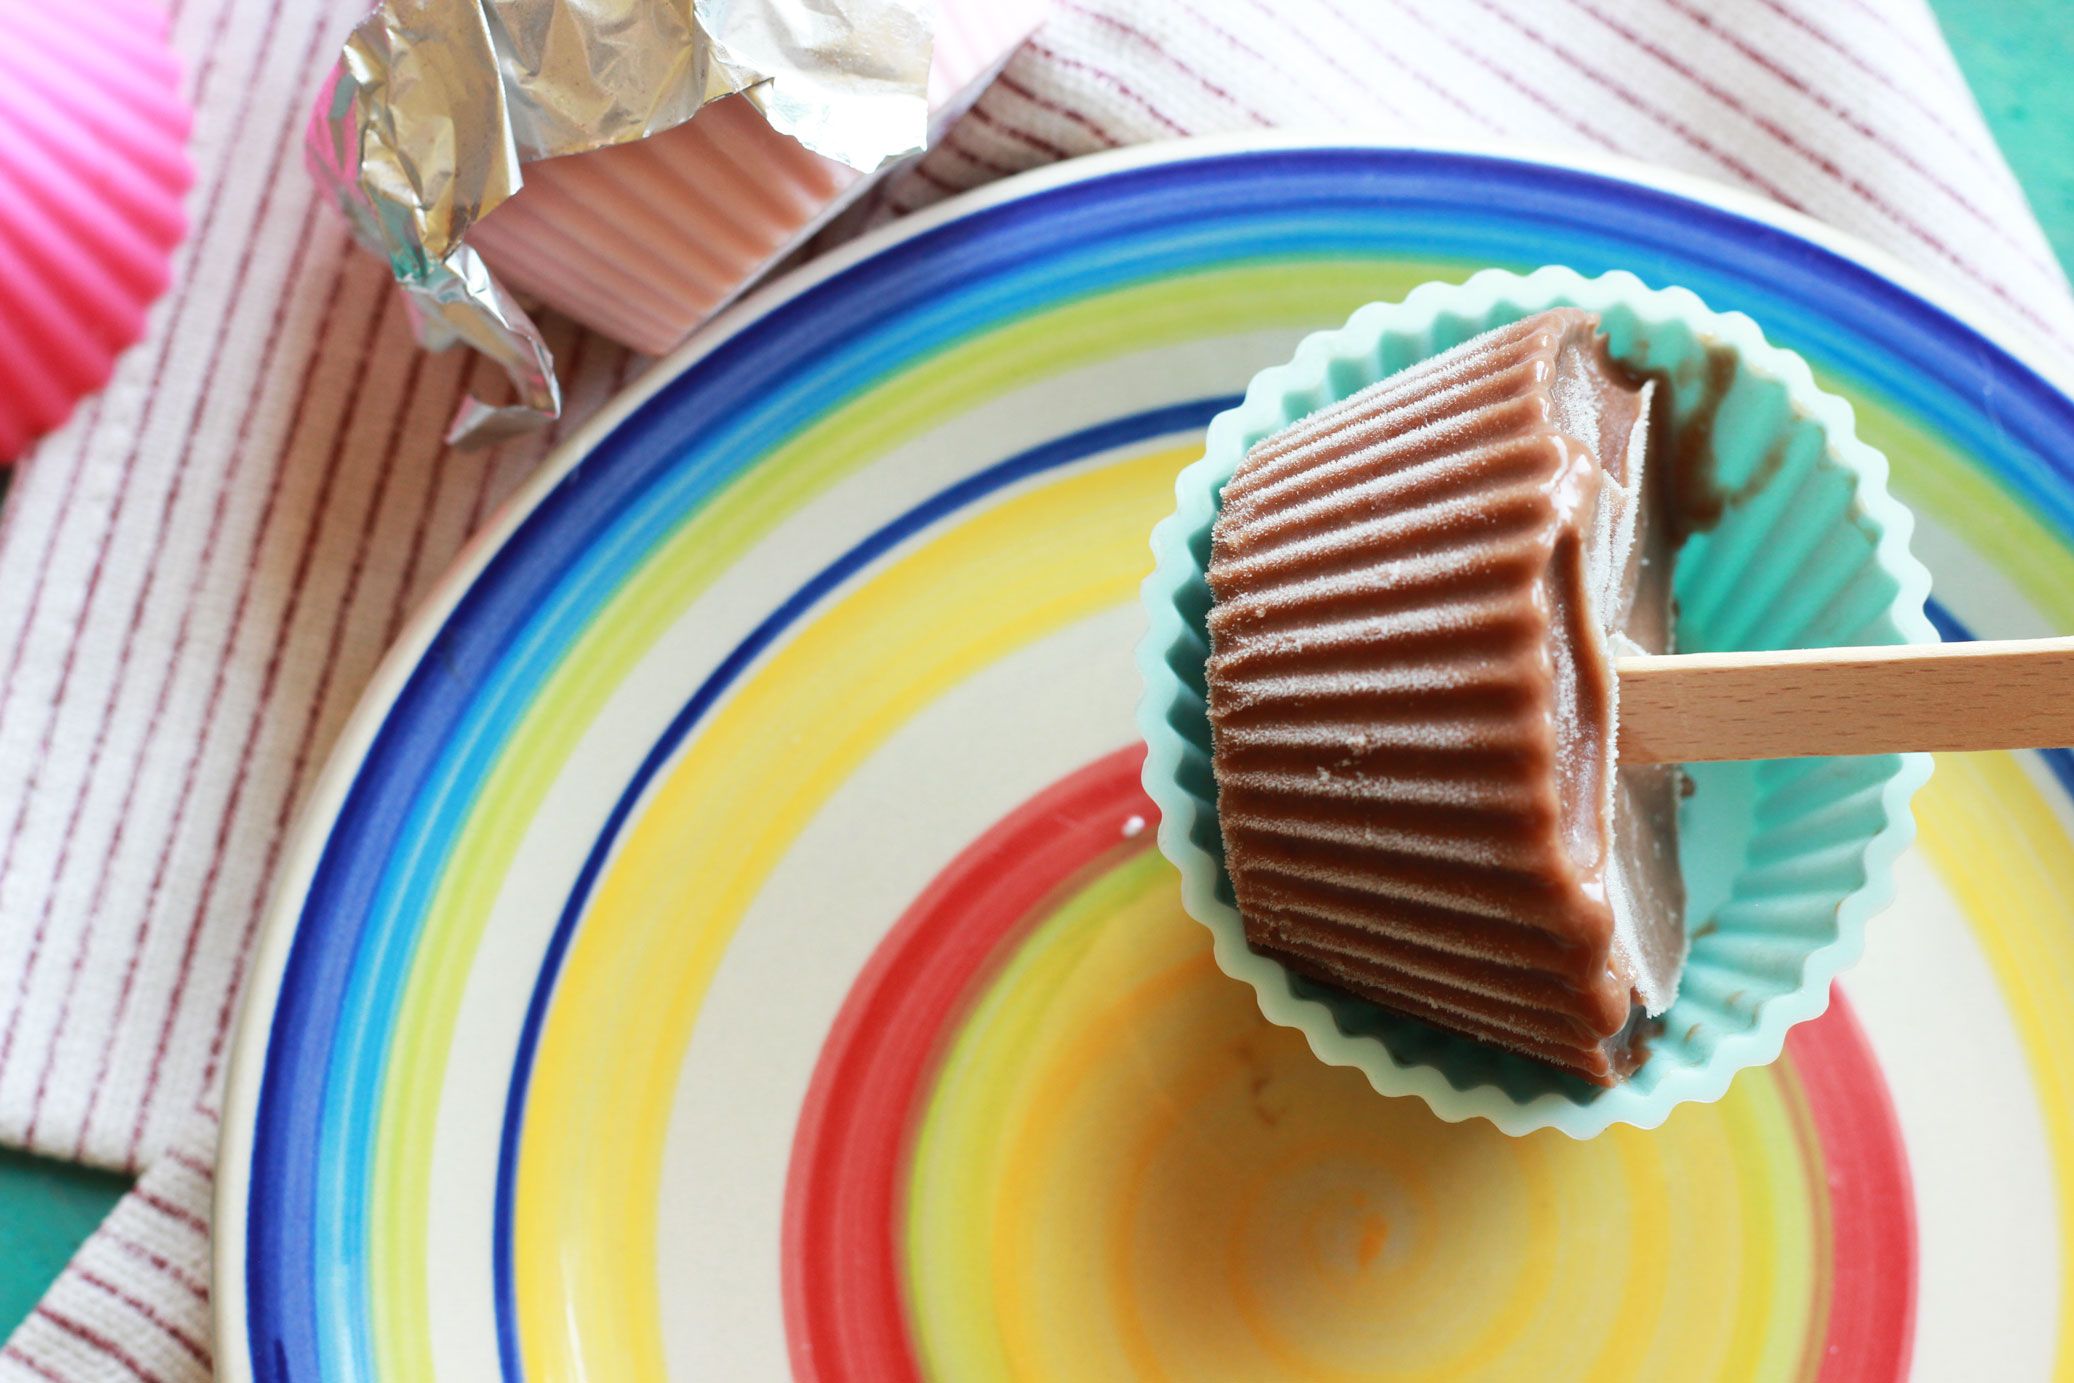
[(437, 106), (636, 241)]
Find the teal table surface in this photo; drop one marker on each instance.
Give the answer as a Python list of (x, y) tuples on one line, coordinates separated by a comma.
[(2014, 52), (46, 1209)]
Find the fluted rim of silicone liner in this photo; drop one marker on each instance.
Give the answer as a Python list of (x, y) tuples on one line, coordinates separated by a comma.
[(1183, 813)]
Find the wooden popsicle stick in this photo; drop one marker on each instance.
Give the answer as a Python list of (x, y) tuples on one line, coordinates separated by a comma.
[(2007, 694)]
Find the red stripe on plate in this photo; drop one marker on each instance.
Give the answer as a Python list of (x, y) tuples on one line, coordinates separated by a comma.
[(1873, 1269), (844, 1313)]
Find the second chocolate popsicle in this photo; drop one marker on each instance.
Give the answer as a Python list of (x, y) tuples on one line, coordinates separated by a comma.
[(1418, 594)]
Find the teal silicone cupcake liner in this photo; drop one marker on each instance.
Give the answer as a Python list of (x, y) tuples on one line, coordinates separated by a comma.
[(1785, 861)]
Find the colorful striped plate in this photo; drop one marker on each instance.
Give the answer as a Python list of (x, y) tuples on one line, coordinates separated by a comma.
[(728, 940)]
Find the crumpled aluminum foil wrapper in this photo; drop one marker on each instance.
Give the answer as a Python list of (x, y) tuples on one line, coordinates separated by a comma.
[(436, 105)]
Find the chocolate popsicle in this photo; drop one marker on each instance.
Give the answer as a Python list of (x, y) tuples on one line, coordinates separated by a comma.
[(1418, 594)]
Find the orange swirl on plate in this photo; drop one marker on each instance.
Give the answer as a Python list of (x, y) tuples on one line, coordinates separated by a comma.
[(1269, 1216)]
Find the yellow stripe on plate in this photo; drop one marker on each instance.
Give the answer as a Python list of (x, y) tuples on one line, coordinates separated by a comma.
[(714, 826)]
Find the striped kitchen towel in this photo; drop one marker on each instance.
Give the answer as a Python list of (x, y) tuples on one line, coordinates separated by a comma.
[(200, 571)]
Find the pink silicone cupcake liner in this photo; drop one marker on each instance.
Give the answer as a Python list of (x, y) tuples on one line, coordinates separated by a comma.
[(644, 241), (93, 167)]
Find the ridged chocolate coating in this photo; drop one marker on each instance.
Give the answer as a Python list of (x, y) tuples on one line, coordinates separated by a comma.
[(1416, 593)]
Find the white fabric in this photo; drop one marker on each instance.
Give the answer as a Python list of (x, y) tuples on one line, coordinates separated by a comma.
[(199, 572)]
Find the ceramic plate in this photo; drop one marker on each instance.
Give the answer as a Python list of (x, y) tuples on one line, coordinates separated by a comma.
[(729, 940)]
